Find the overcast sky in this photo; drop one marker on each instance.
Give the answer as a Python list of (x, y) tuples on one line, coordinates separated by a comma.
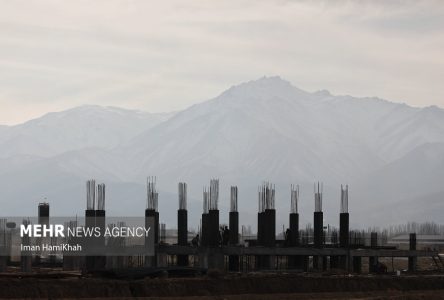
[(166, 55)]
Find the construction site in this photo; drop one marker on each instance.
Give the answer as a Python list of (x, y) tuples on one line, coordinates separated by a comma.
[(219, 259)]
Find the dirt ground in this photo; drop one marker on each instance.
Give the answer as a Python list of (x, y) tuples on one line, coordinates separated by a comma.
[(234, 287), (374, 295), (423, 264)]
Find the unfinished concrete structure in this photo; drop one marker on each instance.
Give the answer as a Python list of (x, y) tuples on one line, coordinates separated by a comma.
[(95, 216), (151, 211), (295, 262), (263, 252), (267, 253), (211, 255), (340, 262), (319, 261), (266, 218), (182, 223), (233, 240)]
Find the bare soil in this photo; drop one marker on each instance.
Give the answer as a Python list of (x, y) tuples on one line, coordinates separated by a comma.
[(242, 287)]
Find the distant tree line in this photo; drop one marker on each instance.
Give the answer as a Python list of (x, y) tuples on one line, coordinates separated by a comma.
[(430, 228)]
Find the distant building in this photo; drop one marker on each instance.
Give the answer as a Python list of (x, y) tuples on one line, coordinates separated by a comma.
[(424, 241), (169, 236)]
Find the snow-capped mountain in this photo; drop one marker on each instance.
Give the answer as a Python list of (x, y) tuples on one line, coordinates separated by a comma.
[(73, 129), (271, 128), (267, 129)]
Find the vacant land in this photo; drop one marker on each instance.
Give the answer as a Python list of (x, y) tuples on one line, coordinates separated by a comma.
[(242, 287), (393, 295)]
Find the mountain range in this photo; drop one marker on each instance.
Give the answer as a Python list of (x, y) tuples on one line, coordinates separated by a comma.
[(391, 155)]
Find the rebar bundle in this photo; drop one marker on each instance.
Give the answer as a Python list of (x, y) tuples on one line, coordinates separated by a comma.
[(151, 194), (90, 194), (101, 196), (266, 196), (294, 198), (344, 199), (214, 194), (206, 197), (318, 197), (95, 195), (182, 195), (233, 199)]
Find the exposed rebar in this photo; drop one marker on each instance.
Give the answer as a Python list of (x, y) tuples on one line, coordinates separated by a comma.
[(344, 199), (266, 196), (90, 194), (318, 197), (101, 196), (182, 195), (151, 194), (233, 199), (206, 196), (294, 198), (214, 194)]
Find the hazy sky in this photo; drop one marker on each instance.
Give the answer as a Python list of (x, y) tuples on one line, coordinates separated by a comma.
[(166, 55)]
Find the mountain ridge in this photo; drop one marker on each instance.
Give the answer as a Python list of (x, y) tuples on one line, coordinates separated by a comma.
[(258, 130), (76, 128)]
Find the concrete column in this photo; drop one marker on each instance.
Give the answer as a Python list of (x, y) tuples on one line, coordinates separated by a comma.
[(151, 261), (343, 238), (100, 260), (182, 235), (357, 264), (43, 219), (214, 232), (318, 239), (269, 237), (90, 222), (260, 238), (204, 230), (295, 262), (233, 260), (294, 229), (373, 261), (234, 228), (412, 247), (318, 229), (344, 230)]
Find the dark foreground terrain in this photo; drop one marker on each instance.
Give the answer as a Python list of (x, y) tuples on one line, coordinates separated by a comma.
[(242, 287)]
